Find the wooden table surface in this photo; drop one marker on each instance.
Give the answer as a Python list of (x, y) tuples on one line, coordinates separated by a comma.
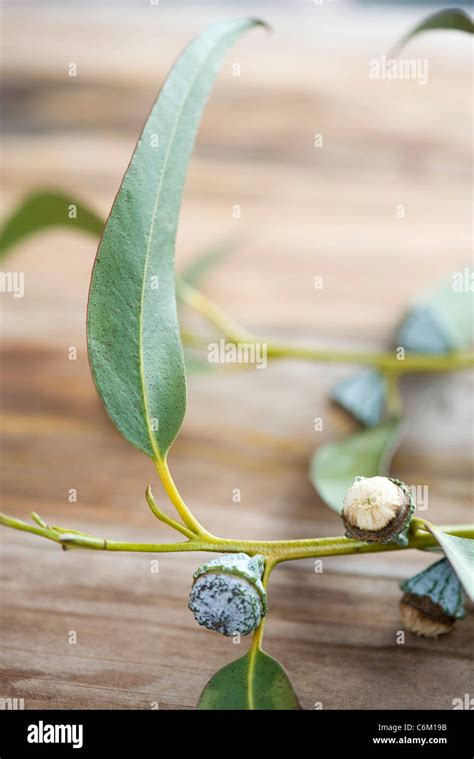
[(305, 212)]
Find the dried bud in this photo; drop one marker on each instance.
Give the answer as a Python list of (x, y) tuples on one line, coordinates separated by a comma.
[(378, 510), (432, 601), (228, 595)]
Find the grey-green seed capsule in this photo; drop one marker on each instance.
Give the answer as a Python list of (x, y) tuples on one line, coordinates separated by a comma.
[(228, 595), (432, 601)]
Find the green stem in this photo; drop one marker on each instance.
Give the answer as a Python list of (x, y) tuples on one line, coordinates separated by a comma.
[(393, 398), (412, 363), (275, 551), (385, 361), (257, 636), (173, 494), (212, 312)]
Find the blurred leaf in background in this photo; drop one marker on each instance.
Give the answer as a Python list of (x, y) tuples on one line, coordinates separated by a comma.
[(366, 454), (46, 209)]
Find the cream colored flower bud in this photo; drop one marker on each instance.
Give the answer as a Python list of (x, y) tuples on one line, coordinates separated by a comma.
[(377, 510), (423, 623)]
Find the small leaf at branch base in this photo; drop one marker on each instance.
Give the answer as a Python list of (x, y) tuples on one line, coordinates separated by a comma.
[(366, 454), (255, 681)]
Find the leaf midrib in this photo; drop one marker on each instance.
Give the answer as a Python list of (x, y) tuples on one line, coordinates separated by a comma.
[(251, 676), (151, 437)]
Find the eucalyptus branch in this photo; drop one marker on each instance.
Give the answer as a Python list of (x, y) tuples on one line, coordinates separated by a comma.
[(274, 551), (384, 361), (139, 375)]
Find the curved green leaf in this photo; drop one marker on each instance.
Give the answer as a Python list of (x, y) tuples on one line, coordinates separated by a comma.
[(255, 681), (450, 18), (42, 210), (460, 554), (133, 337), (365, 454)]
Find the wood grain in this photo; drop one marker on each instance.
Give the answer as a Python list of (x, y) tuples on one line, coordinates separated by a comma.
[(305, 212)]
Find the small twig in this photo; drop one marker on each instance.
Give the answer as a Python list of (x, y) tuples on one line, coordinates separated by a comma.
[(38, 519), (159, 514)]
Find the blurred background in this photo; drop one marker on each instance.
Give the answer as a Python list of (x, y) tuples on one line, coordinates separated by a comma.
[(330, 211)]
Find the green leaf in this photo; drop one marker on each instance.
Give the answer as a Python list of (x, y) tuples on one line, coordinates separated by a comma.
[(42, 210), (450, 18), (460, 554), (133, 336), (366, 454), (255, 681)]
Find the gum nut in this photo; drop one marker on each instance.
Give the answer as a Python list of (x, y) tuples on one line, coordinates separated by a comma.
[(226, 603), (376, 509), (228, 595)]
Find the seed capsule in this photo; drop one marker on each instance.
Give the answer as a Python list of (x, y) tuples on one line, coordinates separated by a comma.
[(432, 601), (378, 510), (228, 595)]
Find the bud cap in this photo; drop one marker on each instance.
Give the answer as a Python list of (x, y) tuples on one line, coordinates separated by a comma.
[(432, 601)]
